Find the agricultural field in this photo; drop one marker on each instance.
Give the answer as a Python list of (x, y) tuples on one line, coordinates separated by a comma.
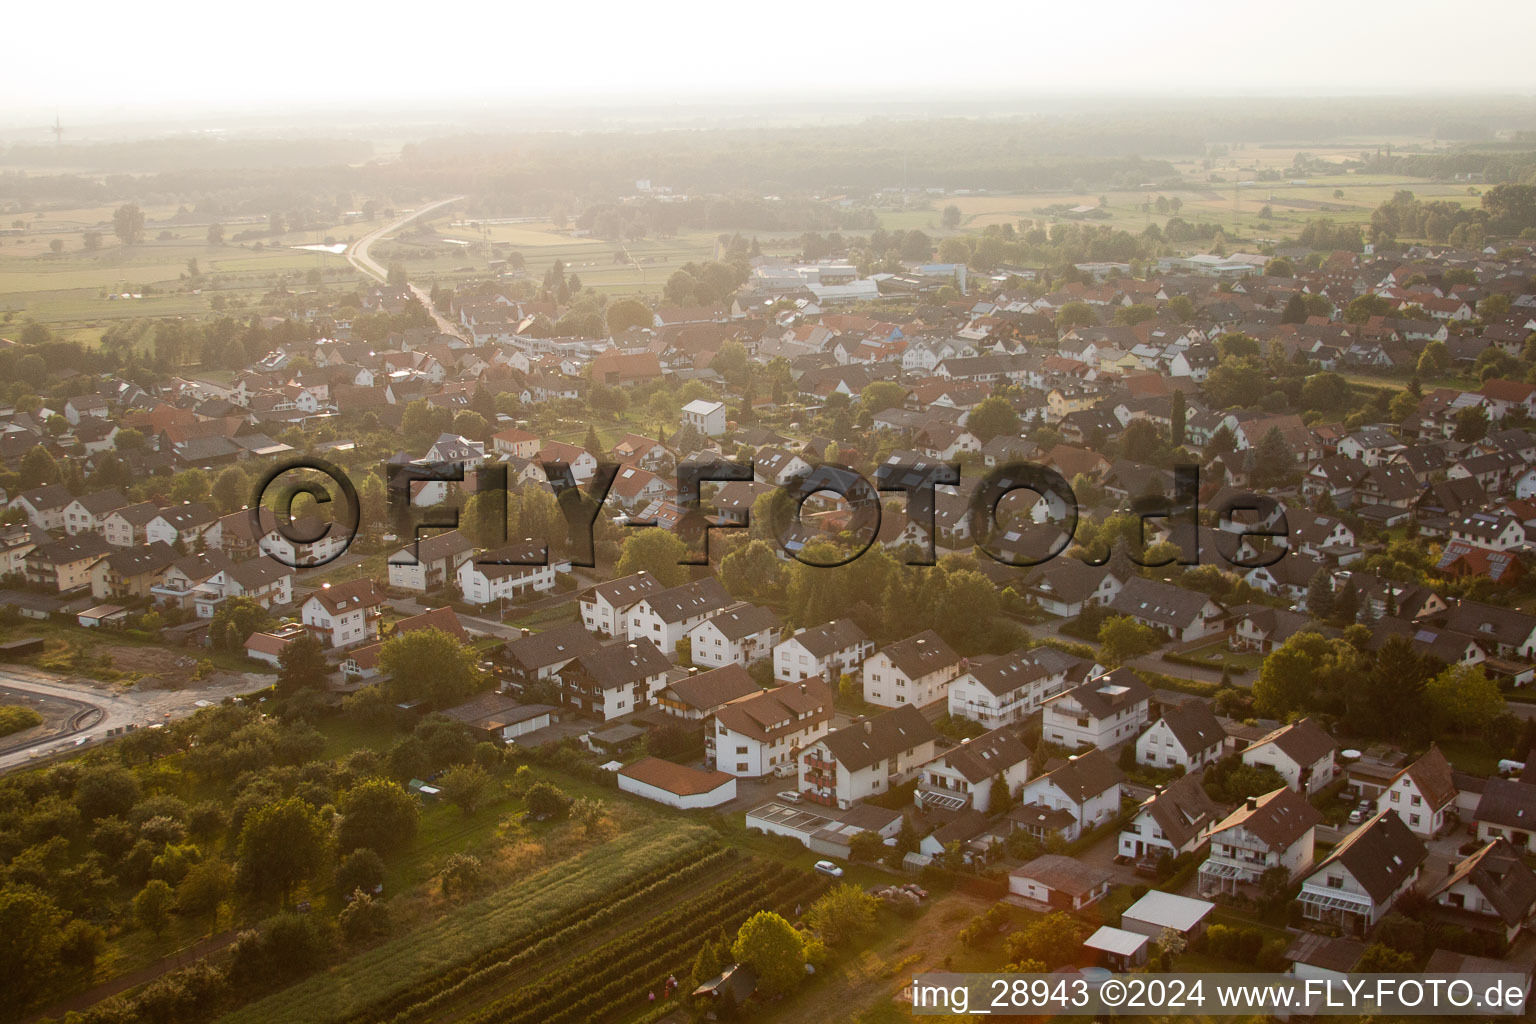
[(573, 942), (80, 291)]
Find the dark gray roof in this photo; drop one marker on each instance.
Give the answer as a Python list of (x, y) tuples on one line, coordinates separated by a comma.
[(1194, 725), (688, 600), (1381, 855), (917, 656), (831, 637), (886, 735), (622, 663), (554, 646), (988, 754)]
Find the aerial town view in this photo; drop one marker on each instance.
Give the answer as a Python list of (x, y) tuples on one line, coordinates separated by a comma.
[(613, 537)]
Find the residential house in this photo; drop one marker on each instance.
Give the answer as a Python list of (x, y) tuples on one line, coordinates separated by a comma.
[(430, 563), (131, 572), (44, 506), (1423, 794), (738, 635), (540, 656), (666, 616), (1086, 789), (1060, 882), (766, 731), (1507, 810), (866, 758), (1366, 874), (604, 607), (1302, 752), (1492, 891), (1273, 832), (1007, 688), (618, 679), (916, 671), (1187, 736), (343, 614), (88, 513), (183, 524), (707, 417), (1102, 712), (1182, 614), (964, 777), (827, 652), (126, 527), (1171, 821), (65, 565), (506, 574), (696, 695)]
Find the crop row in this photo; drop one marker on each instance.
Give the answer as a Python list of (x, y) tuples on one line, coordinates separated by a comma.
[(588, 987), (468, 931), (561, 931)]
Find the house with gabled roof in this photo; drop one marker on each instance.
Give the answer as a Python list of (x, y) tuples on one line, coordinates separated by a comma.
[(737, 635), (131, 572), (604, 606), (694, 695), (1187, 736), (87, 513), (430, 563), (1103, 712), (1272, 832), (1364, 876), (344, 614), (916, 671), (962, 777), (1422, 794), (507, 573), (766, 731), (537, 656), (44, 506), (666, 616), (1183, 614), (1171, 821), (1065, 586), (1302, 752), (1511, 633), (826, 652), (1507, 810), (1008, 688), (65, 564), (866, 758), (1086, 789), (1491, 891), (619, 678)]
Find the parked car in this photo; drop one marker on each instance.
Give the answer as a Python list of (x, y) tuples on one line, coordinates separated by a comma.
[(1359, 814), (789, 796), (826, 867), (786, 771)]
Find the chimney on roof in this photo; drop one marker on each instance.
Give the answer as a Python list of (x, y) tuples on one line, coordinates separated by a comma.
[(693, 670), (802, 687), (1252, 803), (527, 631), (869, 727)]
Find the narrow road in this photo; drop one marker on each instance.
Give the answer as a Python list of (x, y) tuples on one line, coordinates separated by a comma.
[(118, 707), (358, 256)]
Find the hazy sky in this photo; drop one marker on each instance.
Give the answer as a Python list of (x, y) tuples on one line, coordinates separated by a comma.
[(95, 57)]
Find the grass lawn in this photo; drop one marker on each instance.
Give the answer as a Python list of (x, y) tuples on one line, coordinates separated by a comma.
[(1217, 656), (1472, 756)]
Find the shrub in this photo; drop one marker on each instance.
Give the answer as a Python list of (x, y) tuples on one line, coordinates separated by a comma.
[(361, 869)]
